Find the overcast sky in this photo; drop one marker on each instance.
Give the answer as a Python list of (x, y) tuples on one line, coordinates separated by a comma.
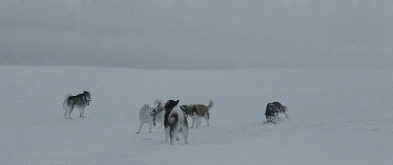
[(189, 34)]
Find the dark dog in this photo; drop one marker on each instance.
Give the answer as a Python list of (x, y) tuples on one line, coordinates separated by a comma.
[(273, 110), (174, 121), (80, 101)]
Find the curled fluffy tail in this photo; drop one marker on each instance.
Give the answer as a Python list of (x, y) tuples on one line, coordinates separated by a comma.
[(210, 106), (174, 118), (159, 103)]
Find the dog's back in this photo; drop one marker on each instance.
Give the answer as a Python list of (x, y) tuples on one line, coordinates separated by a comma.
[(279, 107), (199, 109), (77, 100)]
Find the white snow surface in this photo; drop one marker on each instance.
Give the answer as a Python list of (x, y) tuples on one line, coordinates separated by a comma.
[(337, 116)]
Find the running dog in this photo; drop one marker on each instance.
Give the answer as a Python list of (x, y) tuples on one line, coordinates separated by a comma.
[(197, 111), (273, 110), (174, 122), (80, 101)]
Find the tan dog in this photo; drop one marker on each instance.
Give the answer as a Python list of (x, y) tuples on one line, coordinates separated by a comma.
[(197, 111)]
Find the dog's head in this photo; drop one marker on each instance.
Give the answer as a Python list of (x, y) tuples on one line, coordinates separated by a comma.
[(87, 96), (284, 109), (170, 104), (186, 109)]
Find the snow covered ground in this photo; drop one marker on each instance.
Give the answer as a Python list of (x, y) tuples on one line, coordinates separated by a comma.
[(337, 116)]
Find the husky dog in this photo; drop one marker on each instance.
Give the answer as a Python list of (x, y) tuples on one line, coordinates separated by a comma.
[(174, 121), (157, 110), (197, 111), (145, 116), (80, 101), (273, 110)]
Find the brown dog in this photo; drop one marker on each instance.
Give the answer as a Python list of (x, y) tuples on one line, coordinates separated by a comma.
[(197, 111)]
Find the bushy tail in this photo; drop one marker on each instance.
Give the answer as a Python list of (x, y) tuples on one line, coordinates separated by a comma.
[(174, 118), (65, 103), (210, 106), (159, 103)]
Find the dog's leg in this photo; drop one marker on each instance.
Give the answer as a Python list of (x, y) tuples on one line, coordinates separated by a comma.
[(271, 120), (140, 128), (207, 120), (80, 111), (198, 122), (70, 111), (166, 134), (185, 134), (193, 122), (65, 114), (171, 134), (150, 126), (83, 112), (286, 115)]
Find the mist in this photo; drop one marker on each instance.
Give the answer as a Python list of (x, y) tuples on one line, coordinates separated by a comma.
[(197, 34)]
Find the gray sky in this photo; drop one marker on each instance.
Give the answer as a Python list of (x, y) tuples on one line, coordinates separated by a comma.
[(190, 34)]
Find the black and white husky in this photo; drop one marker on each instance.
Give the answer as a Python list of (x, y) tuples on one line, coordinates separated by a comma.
[(273, 110), (150, 115), (175, 121), (80, 101)]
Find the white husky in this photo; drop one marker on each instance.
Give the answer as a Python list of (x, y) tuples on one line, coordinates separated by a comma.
[(146, 117)]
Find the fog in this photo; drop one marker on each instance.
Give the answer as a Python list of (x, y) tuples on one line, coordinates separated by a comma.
[(197, 34)]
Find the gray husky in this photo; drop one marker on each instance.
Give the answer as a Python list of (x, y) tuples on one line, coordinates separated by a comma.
[(80, 101)]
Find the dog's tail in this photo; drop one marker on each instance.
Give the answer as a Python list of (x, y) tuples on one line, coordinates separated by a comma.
[(159, 103), (210, 106), (65, 103), (174, 118)]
